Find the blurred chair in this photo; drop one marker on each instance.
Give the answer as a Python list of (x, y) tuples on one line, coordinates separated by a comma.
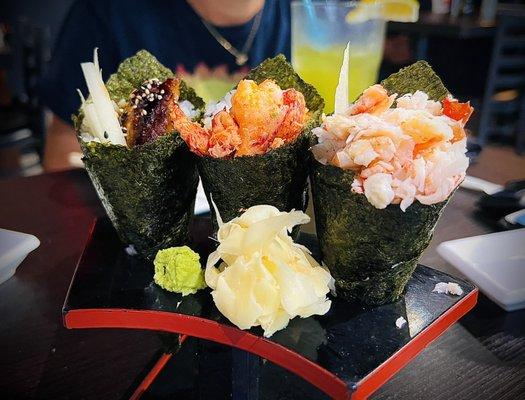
[(503, 108), (22, 123)]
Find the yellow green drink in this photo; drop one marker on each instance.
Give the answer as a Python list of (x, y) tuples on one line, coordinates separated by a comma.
[(319, 36), (321, 68)]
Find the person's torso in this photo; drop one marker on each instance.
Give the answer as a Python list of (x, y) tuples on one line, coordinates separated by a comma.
[(176, 35)]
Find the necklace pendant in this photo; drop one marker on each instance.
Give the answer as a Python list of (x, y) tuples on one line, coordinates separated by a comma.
[(241, 59)]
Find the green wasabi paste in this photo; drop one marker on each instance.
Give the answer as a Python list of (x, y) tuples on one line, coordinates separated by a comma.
[(177, 269)]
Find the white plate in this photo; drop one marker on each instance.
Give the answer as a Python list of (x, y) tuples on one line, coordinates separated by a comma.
[(494, 262), (480, 185), (515, 216), (14, 248)]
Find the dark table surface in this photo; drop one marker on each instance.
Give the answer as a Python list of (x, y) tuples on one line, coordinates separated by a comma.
[(482, 357)]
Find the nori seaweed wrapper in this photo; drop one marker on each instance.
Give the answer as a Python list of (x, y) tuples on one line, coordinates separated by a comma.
[(372, 253), (148, 191), (417, 76), (278, 177), (134, 71)]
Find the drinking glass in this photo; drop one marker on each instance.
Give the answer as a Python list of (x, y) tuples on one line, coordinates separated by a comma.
[(319, 36)]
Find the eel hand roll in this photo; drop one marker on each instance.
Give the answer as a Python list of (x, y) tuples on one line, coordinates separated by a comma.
[(141, 168)]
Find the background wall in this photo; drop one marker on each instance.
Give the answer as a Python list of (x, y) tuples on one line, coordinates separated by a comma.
[(18, 15)]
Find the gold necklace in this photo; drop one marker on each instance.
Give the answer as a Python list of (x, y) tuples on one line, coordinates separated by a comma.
[(241, 56)]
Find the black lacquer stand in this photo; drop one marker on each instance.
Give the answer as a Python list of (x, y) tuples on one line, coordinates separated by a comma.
[(347, 353)]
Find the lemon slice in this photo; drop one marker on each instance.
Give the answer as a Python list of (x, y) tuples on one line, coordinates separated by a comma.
[(387, 10)]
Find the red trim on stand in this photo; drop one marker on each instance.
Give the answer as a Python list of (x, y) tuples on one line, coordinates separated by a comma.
[(155, 371), (210, 330), (402, 357), (150, 377), (308, 370)]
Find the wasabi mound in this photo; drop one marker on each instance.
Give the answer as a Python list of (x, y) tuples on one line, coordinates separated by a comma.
[(178, 270)]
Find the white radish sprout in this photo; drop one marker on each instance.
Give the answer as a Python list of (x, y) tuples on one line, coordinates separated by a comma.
[(103, 118)]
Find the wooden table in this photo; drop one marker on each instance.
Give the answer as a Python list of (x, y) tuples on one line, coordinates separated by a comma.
[(481, 357)]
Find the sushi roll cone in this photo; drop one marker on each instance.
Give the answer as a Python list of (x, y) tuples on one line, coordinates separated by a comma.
[(148, 190), (372, 252), (278, 177)]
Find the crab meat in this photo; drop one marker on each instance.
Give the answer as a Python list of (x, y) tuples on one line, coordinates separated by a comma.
[(374, 100), (415, 151), (456, 110), (258, 111), (224, 137), (294, 118), (260, 117)]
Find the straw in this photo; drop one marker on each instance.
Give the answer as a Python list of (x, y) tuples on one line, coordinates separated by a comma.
[(319, 38), (310, 10)]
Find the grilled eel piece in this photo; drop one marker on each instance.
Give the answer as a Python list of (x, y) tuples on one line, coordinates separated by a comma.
[(152, 111)]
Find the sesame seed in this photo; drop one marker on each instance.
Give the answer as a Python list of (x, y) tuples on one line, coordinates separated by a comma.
[(162, 91), (144, 112), (159, 97), (106, 135), (146, 91), (149, 86), (134, 106)]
